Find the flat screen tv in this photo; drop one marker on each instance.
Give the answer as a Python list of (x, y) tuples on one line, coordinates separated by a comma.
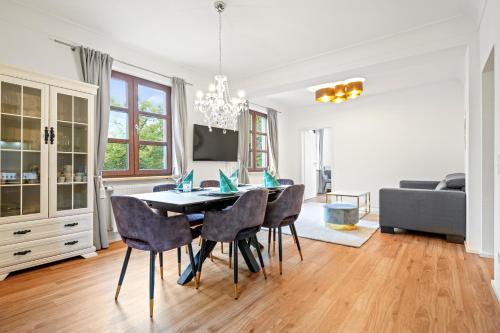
[(215, 145)]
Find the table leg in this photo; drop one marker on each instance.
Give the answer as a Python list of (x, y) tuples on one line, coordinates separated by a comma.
[(247, 254), (187, 275)]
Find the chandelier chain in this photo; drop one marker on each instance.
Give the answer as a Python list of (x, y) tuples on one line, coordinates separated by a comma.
[(220, 42)]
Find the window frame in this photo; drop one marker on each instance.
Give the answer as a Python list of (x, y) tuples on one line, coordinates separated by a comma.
[(253, 137), (133, 121)]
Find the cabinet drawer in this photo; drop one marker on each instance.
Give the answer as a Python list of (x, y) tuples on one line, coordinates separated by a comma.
[(15, 233), (28, 251)]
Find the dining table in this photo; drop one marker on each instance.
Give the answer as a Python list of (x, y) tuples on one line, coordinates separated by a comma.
[(199, 201)]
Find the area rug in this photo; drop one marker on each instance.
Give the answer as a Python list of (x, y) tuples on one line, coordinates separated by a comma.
[(310, 225)]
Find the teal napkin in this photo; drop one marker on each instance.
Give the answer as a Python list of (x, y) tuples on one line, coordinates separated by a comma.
[(270, 181), (225, 185), (186, 180)]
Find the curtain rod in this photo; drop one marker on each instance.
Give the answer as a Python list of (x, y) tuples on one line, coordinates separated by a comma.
[(73, 47), (262, 106)]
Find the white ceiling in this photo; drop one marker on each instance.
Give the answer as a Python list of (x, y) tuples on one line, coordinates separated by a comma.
[(258, 35), (388, 77)]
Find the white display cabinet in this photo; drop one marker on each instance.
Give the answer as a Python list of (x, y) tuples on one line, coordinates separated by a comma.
[(46, 169)]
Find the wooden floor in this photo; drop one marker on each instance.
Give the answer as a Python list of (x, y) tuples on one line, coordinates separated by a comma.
[(394, 283)]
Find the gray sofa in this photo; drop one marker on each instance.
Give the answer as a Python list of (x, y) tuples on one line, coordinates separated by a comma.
[(429, 206)]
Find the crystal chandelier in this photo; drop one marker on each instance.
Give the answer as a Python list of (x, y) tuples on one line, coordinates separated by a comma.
[(217, 106)]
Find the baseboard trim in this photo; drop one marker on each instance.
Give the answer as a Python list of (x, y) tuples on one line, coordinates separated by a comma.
[(495, 291), (471, 250), (486, 255)]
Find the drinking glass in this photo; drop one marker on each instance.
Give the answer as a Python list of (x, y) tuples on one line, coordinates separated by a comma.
[(176, 175)]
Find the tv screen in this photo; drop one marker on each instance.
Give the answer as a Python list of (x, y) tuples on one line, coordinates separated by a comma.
[(215, 145)]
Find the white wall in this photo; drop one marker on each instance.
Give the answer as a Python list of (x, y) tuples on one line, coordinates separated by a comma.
[(376, 141), (26, 43), (489, 38)]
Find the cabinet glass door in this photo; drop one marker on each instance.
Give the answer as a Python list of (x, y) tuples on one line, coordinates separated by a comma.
[(23, 157), (72, 151)]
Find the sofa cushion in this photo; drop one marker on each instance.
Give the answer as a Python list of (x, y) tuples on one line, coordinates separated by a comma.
[(455, 180), (441, 186)]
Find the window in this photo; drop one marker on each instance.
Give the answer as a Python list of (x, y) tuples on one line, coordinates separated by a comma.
[(139, 136), (259, 149)]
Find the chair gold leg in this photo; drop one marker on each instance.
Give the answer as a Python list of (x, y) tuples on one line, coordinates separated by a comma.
[(211, 257), (151, 306), (264, 272), (161, 272), (179, 268), (281, 269), (235, 291), (221, 247), (186, 249), (198, 276), (117, 291)]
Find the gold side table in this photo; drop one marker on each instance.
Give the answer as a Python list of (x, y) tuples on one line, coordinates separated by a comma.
[(351, 194)]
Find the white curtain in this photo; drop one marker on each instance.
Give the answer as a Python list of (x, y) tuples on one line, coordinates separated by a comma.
[(243, 144), (96, 69), (179, 124), (272, 122)]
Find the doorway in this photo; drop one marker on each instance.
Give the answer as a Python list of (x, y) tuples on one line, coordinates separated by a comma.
[(488, 144), (316, 162)]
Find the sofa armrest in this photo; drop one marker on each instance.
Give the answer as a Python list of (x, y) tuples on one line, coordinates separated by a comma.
[(440, 212), (419, 184)]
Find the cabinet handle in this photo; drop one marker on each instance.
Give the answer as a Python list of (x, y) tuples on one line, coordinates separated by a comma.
[(71, 243), (22, 232), (52, 135), (46, 135), (69, 225), (22, 253)]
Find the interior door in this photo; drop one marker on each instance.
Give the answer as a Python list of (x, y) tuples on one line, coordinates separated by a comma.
[(71, 172), (23, 150)]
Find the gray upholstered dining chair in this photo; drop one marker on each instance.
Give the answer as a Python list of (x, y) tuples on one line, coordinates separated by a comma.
[(164, 187), (284, 211), (194, 220), (282, 181), (209, 183), (212, 183), (142, 229), (240, 222), (285, 181)]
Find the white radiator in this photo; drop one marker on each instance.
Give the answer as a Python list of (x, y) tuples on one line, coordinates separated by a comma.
[(122, 189)]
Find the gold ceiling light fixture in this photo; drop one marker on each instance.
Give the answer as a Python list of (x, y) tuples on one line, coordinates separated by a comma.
[(325, 95), (339, 92)]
